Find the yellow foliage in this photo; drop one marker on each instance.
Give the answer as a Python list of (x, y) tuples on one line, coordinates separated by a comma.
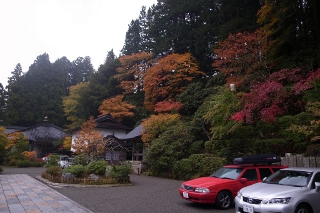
[(157, 124), (3, 137), (72, 104), (67, 143), (15, 138)]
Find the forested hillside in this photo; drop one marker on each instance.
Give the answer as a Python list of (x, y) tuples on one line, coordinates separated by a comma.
[(174, 74)]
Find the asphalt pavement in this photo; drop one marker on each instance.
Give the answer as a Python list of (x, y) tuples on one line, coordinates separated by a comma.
[(146, 194)]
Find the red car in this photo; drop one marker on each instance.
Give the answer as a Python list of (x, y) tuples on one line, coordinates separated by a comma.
[(221, 187)]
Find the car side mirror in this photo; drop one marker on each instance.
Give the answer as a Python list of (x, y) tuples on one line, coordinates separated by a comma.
[(317, 186), (243, 180)]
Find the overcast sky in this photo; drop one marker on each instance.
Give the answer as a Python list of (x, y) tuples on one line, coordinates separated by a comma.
[(71, 28)]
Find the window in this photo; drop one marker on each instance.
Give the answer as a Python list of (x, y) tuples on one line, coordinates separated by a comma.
[(112, 155), (316, 179), (264, 172), (250, 174)]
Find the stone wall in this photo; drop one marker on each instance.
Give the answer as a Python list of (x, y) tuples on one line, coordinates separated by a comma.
[(300, 160)]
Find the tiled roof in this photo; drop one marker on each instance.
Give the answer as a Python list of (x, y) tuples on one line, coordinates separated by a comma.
[(44, 132), (136, 132), (11, 129)]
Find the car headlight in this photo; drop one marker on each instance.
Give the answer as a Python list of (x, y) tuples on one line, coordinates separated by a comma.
[(285, 200), (182, 186), (202, 190), (239, 194)]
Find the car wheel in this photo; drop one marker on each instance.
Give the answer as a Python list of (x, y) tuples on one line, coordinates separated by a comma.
[(303, 209), (223, 200)]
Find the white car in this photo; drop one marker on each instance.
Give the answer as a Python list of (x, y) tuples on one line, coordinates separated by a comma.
[(65, 161), (290, 190)]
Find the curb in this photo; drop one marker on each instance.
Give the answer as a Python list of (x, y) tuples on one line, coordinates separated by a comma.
[(47, 182)]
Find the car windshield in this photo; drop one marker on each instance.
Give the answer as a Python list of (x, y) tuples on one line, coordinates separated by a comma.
[(228, 173), (289, 178)]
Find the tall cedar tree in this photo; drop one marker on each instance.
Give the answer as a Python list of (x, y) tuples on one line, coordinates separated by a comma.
[(168, 78), (102, 84), (89, 141), (292, 29)]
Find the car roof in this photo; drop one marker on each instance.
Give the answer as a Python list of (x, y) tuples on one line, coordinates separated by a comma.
[(252, 165), (307, 169)]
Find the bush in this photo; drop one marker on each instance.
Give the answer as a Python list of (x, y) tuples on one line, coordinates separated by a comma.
[(37, 164), (54, 170), (80, 160), (53, 160), (197, 165), (96, 167), (12, 162), (24, 163), (121, 171), (76, 170), (1, 170)]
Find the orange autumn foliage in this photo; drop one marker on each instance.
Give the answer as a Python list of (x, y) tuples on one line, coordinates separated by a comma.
[(29, 155), (118, 108), (132, 71), (89, 141), (168, 78), (240, 56), (167, 106)]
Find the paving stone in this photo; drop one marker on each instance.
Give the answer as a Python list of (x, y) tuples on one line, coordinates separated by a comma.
[(21, 193)]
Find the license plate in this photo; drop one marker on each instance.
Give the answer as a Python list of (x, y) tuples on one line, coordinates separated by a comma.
[(185, 194), (248, 209)]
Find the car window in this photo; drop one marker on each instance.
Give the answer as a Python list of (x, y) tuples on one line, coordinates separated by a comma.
[(229, 173), (316, 179), (290, 178), (250, 174), (264, 172)]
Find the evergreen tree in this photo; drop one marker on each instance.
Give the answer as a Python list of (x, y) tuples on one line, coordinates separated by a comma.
[(292, 28), (3, 117), (38, 93), (133, 40)]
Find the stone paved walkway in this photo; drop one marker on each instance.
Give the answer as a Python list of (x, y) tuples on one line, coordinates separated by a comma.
[(21, 193)]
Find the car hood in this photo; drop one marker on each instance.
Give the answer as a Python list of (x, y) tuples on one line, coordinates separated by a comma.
[(263, 190), (206, 181)]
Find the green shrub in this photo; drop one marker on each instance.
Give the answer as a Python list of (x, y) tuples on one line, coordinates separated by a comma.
[(183, 169), (96, 167), (197, 165), (54, 170), (53, 160), (76, 170), (24, 163), (37, 164), (1, 170), (121, 171), (12, 162), (81, 159)]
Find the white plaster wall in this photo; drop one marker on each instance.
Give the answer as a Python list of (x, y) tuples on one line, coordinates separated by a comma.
[(104, 132)]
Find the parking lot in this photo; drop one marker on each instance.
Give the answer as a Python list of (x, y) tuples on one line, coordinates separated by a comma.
[(147, 194)]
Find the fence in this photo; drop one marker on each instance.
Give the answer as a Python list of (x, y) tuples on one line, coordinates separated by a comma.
[(300, 160)]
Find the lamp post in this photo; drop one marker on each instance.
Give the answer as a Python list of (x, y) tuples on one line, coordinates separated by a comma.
[(232, 87)]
